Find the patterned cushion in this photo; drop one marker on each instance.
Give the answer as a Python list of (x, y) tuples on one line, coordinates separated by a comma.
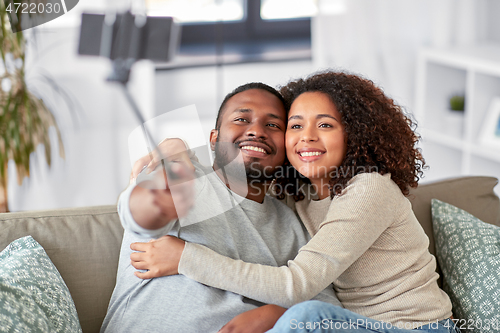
[(468, 251), (33, 295)]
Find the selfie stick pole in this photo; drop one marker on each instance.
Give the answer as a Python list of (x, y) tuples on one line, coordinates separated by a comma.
[(121, 74)]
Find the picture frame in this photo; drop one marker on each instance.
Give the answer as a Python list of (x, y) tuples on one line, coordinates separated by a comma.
[(490, 131)]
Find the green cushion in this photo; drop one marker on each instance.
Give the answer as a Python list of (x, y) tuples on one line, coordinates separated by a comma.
[(468, 251), (33, 295)]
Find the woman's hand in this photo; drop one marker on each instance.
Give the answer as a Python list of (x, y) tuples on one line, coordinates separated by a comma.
[(159, 256), (257, 320), (172, 150)]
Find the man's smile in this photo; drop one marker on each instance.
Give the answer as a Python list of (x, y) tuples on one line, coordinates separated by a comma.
[(254, 148)]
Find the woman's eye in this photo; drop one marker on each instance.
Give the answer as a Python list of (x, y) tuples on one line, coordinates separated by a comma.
[(325, 125), (295, 126)]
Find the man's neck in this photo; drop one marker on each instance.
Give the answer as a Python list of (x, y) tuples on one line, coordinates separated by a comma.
[(255, 191)]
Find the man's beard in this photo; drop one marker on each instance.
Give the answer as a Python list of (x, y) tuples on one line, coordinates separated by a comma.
[(251, 171)]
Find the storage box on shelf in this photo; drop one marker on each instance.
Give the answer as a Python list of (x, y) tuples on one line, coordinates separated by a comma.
[(451, 140)]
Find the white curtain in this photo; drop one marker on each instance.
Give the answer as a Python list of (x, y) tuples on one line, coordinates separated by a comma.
[(379, 39)]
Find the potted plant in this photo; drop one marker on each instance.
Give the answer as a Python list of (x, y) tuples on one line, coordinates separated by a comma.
[(24, 118), (457, 103)]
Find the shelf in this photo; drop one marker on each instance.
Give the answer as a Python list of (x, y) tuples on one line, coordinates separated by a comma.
[(451, 144), (484, 151), (480, 58), (443, 139), (487, 152)]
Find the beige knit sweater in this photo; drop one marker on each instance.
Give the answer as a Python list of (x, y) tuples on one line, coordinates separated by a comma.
[(366, 241)]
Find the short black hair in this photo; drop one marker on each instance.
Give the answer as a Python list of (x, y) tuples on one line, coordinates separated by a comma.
[(242, 88)]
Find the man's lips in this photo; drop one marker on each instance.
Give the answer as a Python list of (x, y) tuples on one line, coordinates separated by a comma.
[(257, 149), (253, 146)]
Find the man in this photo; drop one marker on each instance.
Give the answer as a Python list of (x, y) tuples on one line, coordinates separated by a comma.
[(231, 215)]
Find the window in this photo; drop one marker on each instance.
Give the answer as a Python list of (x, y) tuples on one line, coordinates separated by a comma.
[(237, 21), (198, 10), (287, 9)]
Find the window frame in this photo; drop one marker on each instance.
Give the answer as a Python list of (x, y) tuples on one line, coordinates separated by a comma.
[(251, 29)]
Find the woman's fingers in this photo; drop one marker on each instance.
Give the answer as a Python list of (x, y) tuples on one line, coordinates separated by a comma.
[(144, 275)]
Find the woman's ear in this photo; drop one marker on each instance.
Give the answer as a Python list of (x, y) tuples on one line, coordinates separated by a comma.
[(213, 138)]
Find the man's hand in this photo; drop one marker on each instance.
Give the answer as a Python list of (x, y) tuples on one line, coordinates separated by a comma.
[(257, 320), (172, 150), (159, 256), (159, 200)]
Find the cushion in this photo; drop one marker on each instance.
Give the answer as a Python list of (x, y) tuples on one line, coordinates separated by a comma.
[(468, 251), (33, 295), (473, 194)]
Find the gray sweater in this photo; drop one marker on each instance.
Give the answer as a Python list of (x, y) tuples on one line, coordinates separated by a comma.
[(268, 233)]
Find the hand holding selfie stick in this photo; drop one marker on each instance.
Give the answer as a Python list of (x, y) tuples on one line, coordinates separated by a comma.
[(126, 38)]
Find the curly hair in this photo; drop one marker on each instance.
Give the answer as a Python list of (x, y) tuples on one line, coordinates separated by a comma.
[(379, 135)]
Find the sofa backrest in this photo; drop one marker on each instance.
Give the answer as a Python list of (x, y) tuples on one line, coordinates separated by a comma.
[(84, 245)]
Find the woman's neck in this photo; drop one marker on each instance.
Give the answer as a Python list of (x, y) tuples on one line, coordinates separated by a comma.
[(322, 188)]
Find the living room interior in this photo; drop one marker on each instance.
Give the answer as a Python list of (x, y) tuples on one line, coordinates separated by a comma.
[(388, 42), (439, 60)]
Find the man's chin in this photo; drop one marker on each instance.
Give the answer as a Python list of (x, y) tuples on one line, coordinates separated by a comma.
[(257, 172)]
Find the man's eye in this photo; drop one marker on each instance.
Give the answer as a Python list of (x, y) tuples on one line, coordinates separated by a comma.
[(241, 120), (273, 125)]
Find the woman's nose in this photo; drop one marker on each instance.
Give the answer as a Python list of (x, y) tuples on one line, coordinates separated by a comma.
[(308, 135)]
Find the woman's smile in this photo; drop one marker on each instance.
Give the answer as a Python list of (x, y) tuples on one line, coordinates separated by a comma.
[(308, 155)]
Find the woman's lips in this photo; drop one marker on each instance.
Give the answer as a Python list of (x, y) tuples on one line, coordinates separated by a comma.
[(310, 155)]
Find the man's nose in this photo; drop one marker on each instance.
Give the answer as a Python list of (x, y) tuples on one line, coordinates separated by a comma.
[(256, 130)]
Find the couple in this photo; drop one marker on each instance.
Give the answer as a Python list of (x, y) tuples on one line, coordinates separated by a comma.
[(356, 151)]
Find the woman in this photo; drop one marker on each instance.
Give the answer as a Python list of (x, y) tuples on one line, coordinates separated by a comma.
[(356, 149)]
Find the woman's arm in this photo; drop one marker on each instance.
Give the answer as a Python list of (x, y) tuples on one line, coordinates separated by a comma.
[(355, 220)]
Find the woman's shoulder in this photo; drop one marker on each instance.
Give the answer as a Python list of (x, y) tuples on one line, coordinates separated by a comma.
[(371, 186), (374, 180)]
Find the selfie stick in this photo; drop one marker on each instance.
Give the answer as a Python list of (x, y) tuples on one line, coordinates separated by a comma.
[(121, 67)]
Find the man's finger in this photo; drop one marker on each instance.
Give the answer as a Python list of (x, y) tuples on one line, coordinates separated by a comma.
[(152, 165), (139, 165)]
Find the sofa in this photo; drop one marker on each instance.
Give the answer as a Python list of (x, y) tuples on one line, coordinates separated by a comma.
[(84, 243)]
